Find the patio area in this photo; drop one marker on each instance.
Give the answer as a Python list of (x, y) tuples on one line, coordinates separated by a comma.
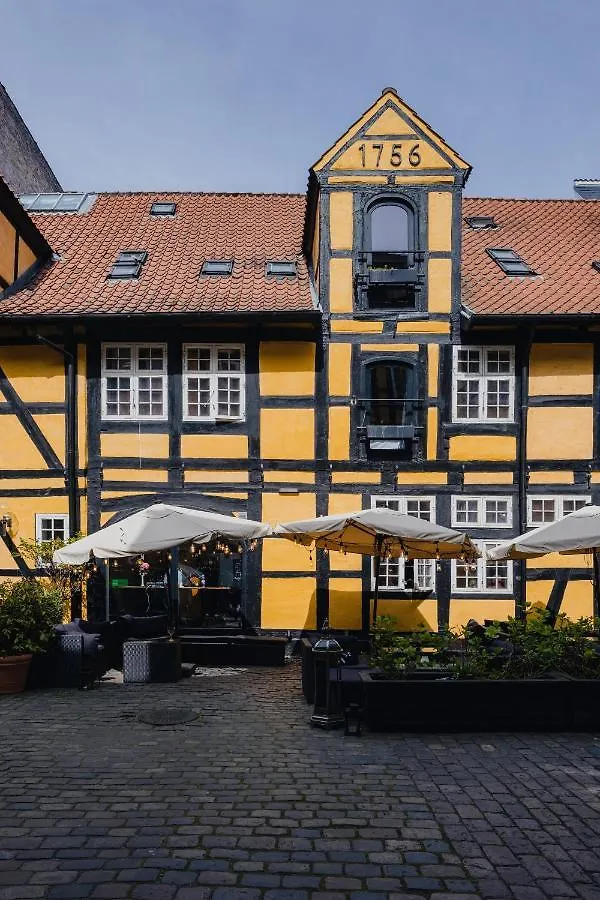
[(246, 801)]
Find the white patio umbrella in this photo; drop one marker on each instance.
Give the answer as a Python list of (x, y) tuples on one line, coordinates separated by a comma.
[(382, 533), (158, 527), (579, 532)]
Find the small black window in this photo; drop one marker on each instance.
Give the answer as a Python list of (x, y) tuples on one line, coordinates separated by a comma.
[(596, 265), (129, 264), (481, 223), (281, 268), (510, 262), (390, 388), (163, 209), (217, 267)]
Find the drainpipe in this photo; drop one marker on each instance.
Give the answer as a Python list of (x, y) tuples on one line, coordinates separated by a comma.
[(71, 466), (522, 475)]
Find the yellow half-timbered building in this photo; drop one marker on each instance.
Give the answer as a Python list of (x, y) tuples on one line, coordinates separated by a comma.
[(382, 340)]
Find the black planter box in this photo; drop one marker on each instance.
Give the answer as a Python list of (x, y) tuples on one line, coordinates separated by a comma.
[(555, 703)]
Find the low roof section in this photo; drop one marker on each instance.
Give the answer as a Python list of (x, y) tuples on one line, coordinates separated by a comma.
[(249, 229)]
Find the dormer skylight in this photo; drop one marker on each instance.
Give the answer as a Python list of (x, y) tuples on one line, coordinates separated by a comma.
[(217, 267), (128, 264), (163, 209), (596, 265), (480, 223), (510, 262), (281, 268), (57, 203)]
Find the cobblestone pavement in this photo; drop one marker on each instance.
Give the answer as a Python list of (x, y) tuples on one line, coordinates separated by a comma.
[(246, 802)]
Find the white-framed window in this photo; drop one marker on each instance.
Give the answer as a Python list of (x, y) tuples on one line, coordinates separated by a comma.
[(392, 571), (542, 508), (134, 381), (51, 527), (213, 382), (483, 384), (482, 512), (484, 576)]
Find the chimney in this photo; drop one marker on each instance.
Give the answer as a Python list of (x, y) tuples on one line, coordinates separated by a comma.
[(587, 188)]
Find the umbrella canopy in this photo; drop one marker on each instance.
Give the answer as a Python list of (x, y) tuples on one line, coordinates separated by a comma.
[(382, 533), (158, 527), (579, 532)]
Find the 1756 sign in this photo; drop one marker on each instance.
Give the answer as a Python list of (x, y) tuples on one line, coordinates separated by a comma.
[(385, 155)]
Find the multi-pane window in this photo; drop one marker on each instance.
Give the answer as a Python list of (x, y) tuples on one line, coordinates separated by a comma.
[(392, 572), (213, 382), (482, 512), (51, 527), (134, 381), (543, 509), (484, 384), (483, 576)]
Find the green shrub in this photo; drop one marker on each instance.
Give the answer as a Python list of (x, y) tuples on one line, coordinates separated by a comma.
[(28, 612)]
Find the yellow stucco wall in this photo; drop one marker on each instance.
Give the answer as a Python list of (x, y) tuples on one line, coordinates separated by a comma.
[(289, 603), (345, 603), (562, 477), (356, 478), (279, 554), (7, 249), (36, 372), (136, 475), (409, 615), (26, 256), (439, 291), (348, 325), (560, 432), (482, 446), (433, 362), (440, 220), (341, 220), (138, 445), (287, 433), (212, 446), (340, 356), (339, 432), (556, 369), (488, 478), (577, 601), (422, 478), (340, 286), (462, 609), (287, 368), (432, 427)]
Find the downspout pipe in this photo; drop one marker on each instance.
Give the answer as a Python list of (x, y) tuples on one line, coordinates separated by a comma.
[(522, 473)]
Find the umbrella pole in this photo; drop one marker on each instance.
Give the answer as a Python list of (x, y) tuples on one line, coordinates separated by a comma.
[(378, 545), (174, 590), (596, 607), (107, 591)]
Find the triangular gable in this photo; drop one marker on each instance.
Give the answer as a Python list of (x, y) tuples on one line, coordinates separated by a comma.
[(389, 116)]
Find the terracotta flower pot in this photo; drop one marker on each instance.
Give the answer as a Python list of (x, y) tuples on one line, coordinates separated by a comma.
[(13, 673)]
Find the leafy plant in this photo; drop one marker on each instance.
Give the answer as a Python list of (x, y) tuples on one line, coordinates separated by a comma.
[(68, 580), (396, 654), (28, 612)]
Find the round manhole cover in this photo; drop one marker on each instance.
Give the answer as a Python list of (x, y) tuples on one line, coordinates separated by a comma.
[(167, 715)]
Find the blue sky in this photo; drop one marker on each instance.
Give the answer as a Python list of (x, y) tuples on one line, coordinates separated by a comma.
[(246, 94)]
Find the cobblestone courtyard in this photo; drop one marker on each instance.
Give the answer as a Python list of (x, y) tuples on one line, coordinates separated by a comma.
[(247, 802)]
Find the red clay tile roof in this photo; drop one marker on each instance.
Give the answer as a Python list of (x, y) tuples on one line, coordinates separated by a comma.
[(249, 228), (558, 238)]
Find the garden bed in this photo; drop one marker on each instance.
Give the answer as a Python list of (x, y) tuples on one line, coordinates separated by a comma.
[(555, 702)]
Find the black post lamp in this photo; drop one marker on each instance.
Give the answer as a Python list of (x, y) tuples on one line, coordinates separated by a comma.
[(328, 711)]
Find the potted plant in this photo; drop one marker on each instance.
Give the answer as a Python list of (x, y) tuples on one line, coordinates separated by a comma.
[(28, 613)]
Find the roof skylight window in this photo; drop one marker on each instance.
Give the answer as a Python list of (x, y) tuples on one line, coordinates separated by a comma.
[(163, 209), (57, 203), (279, 268), (510, 262), (217, 267), (129, 264), (480, 223), (596, 265)]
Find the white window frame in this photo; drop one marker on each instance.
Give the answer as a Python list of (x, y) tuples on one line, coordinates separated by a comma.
[(482, 502), (423, 564), (559, 505), (482, 379), (134, 374), (481, 574), (213, 376), (39, 517)]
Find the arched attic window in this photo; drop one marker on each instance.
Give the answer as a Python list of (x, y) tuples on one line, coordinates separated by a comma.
[(391, 230), (391, 389)]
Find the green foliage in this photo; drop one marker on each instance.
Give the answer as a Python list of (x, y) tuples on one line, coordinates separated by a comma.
[(67, 580), (28, 612), (529, 648)]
